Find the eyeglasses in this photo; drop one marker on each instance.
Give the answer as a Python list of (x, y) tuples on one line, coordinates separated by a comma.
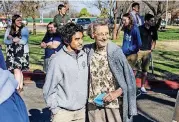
[(102, 34)]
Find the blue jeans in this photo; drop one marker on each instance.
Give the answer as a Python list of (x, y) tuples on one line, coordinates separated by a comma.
[(2, 61)]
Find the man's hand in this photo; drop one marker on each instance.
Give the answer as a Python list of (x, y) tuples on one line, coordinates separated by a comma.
[(109, 97), (49, 44), (43, 45), (53, 44)]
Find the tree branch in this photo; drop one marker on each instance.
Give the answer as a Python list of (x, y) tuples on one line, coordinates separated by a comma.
[(150, 6)]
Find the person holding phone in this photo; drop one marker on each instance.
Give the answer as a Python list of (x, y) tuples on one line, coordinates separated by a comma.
[(111, 80)]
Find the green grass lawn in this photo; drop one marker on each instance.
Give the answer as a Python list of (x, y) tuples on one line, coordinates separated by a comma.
[(166, 62), (172, 34)]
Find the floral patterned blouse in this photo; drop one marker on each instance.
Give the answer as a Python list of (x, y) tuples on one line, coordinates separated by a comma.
[(102, 79)]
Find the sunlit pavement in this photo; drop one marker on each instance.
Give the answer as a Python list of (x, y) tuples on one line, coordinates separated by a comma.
[(155, 106)]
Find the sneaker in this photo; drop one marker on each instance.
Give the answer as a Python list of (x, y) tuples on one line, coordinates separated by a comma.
[(138, 93), (143, 90)]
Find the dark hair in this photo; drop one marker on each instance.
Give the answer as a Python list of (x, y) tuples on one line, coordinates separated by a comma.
[(13, 26), (68, 30), (131, 22), (52, 23), (60, 6), (98, 22), (148, 17), (135, 4)]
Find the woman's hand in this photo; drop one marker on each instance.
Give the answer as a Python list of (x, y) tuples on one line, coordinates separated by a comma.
[(16, 40), (9, 37), (113, 95)]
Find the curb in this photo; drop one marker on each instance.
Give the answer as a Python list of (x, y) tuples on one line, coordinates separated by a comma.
[(31, 77)]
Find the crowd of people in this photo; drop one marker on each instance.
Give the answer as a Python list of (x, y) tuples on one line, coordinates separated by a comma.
[(90, 83), (96, 83)]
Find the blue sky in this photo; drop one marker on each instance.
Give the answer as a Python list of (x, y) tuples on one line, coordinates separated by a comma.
[(75, 4), (79, 4)]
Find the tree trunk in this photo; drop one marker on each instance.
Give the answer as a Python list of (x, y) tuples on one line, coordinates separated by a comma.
[(118, 31), (120, 22), (115, 21), (34, 26)]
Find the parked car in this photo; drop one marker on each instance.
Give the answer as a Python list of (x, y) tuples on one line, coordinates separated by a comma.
[(163, 24), (176, 21), (84, 22), (25, 22), (3, 23), (74, 20)]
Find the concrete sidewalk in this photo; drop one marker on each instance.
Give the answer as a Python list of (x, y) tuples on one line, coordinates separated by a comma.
[(156, 106)]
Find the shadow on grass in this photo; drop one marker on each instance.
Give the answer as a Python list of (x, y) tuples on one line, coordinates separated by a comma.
[(173, 55), (38, 116), (165, 63), (35, 43), (166, 75)]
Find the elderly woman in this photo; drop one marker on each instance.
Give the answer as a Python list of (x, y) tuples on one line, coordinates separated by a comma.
[(112, 86)]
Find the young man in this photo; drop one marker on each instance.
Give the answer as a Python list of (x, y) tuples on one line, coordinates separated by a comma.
[(61, 18), (135, 14), (111, 78), (65, 89), (149, 36), (51, 43)]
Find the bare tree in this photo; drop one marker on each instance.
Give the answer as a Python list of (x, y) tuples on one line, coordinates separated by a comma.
[(29, 9), (158, 8), (121, 8), (115, 10), (7, 7)]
